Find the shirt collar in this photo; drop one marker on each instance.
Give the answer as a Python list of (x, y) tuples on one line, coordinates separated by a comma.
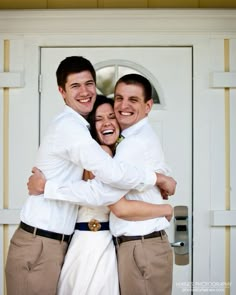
[(134, 128), (81, 118)]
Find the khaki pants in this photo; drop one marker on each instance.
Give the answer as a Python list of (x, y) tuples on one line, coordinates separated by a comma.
[(33, 264), (145, 267)]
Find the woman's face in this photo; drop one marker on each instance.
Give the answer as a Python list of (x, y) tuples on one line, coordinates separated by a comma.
[(106, 125)]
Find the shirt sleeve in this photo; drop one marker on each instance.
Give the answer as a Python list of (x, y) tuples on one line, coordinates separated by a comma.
[(82, 150), (112, 171), (91, 192)]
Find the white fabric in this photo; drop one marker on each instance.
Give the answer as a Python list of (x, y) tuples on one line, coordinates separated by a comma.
[(142, 147), (66, 150), (90, 264)]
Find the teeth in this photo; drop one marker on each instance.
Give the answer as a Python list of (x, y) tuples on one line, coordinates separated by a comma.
[(125, 114), (108, 131), (85, 100)]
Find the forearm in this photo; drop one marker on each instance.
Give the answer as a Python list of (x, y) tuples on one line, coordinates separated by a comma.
[(115, 172), (91, 192), (138, 210)]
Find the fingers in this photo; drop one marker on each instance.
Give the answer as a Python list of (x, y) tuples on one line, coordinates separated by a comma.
[(164, 194), (35, 170)]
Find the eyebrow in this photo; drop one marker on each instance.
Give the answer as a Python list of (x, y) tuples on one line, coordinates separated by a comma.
[(76, 83), (112, 113), (132, 96), (72, 84)]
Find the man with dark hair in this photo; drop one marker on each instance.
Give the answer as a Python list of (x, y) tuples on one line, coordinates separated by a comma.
[(145, 261)]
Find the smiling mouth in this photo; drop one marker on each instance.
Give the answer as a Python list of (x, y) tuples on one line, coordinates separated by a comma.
[(126, 114), (85, 100), (108, 132)]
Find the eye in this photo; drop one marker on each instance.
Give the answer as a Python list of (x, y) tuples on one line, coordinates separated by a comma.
[(74, 85), (112, 116), (118, 98), (90, 83)]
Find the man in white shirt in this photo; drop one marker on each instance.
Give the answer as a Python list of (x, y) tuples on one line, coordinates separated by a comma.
[(144, 254), (38, 246)]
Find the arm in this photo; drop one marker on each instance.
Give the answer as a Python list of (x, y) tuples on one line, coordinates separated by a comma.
[(137, 210), (91, 192), (102, 195), (77, 146), (87, 193)]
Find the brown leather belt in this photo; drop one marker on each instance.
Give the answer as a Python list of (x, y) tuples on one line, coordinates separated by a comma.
[(44, 233), (122, 239)]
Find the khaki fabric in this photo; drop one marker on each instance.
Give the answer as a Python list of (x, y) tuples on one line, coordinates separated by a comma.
[(145, 267), (33, 264)]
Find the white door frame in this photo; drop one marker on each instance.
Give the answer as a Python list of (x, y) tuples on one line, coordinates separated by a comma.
[(206, 31)]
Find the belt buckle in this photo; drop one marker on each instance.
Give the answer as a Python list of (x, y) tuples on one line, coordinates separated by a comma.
[(94, 225)]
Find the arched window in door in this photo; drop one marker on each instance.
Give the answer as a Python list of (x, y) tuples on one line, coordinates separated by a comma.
[(109, 71)]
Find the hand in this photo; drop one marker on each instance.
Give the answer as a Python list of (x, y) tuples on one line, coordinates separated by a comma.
[(166, 184), (36, 182), (164, 194)]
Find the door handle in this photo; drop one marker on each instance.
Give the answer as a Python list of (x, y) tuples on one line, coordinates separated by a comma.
[(178, 244)]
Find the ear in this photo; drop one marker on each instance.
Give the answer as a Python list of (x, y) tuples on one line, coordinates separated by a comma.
[(62, 91), (149, 105)]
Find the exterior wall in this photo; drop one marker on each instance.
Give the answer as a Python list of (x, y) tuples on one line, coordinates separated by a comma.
[(213, 37), (58, 4)]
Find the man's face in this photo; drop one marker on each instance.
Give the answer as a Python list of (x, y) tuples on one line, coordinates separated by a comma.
[(80, 92), (130, 106)]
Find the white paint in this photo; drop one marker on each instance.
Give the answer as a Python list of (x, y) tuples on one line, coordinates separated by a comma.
[(9, 80), (223, 79), (223, 218), (205, 31)]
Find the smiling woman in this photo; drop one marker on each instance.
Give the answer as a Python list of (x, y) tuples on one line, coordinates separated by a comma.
[(104, 126)]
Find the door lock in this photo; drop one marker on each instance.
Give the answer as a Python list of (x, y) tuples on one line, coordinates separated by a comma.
[(181, 235)]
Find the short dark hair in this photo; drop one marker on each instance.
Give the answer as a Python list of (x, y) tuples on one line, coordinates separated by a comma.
[(139, 80), (73, 64), (101, 99)]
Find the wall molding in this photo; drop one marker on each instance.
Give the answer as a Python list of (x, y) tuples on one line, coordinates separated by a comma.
[(223, 218), (223, 79), (9, 216), (192, 21), (10, 79)]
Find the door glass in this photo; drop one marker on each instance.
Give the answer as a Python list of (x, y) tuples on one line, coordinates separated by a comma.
[(108, 74)]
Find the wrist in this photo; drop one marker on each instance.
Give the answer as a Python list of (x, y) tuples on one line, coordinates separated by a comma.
[(42, 186), (160, 179)]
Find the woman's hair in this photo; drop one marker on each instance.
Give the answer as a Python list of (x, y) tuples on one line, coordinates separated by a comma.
[(101, 99)]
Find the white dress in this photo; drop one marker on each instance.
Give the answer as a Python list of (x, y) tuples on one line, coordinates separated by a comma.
[(90, 266)]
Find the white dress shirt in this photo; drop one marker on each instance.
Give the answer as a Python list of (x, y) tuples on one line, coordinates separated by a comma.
[(141, 148), (66, 150)]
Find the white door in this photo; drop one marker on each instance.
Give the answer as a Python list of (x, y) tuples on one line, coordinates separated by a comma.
[(170, 70)]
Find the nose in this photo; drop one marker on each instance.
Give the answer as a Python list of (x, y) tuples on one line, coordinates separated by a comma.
[(83, 90), (106, 122), (124, 104)]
